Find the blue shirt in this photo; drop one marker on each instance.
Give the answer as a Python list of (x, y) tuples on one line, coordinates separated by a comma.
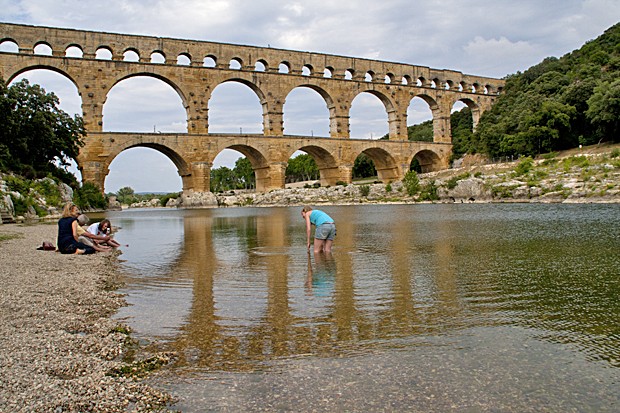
[(318, 217)]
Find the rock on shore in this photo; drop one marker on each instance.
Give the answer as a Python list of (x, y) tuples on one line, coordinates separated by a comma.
[(58, 343)]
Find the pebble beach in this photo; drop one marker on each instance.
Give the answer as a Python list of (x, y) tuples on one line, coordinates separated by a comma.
[(59, 346)]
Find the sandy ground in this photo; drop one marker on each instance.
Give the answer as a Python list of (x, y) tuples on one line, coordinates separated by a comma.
[(58, 344)]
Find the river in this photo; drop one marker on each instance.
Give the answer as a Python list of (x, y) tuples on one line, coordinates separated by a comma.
[(461, 307)]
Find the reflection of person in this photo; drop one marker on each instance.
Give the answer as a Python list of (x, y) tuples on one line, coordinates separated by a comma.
[(320, 282), (89, 239), (103, 228), (67, 232), (324, 232)]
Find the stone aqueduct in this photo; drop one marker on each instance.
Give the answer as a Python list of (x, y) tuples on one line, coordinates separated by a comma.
[(337, 79)]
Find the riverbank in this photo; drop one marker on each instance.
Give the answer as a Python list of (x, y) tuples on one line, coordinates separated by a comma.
[(59, 348), (588, 175)]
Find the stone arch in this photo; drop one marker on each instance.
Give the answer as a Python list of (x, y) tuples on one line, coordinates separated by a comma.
[(43, 44), (209, 61), (104, 53), (476, 111), (263, 173), (55, 69), (329, 102), (128, 55), (236, 63), (284, 67), (329, 172), (99, 176), (254, 88), (388, 105), (164, 79), (420, 111), (385, 164), (184, 59), (157, 57), (8, 39), (74, 50), (428, 160), (261, 65)]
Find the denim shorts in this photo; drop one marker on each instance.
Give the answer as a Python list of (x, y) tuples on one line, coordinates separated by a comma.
[(325, 231)]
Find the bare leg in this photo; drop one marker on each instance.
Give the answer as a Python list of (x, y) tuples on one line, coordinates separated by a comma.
[(319, 245), (328, 246), (101, 248)]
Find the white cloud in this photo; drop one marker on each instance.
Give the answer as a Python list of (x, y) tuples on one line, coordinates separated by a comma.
[(499, 55)]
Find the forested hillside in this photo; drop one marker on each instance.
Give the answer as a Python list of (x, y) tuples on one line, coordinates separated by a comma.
[(557, 104)]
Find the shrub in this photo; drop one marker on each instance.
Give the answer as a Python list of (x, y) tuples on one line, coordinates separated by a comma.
[(48, 188), (411, 182), (388, 187), (89, 196), (165, 198), (429, 192), (17, 184), (365, 190), (579, 161), (524, 166), (615, 153), (20, 204), (452, 182)]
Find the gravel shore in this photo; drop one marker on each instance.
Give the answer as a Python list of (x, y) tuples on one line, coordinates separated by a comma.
[(58, 344)]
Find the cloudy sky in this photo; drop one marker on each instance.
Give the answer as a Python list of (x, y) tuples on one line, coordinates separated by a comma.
[(481, 37)]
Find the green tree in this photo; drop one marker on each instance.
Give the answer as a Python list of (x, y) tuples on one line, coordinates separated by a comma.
[(364, 167), (35, 133), (461, 125), (421, 132), (301, 168), (222, 179), (556, 104), (411, 182), (89, 196), (126, 195), (604, 108), (244, 173)]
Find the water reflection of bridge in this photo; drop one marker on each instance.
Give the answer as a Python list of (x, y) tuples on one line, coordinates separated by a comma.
[(341, 323)]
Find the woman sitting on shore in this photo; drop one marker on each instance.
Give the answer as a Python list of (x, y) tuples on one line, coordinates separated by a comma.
[(67, 232)]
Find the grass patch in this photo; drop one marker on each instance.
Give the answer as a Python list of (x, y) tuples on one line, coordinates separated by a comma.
[(6, 237), (452, 182), (141, 368)]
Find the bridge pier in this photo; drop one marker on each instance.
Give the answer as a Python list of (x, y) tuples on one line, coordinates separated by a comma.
[(93, 171), (200, 179), (270, 177)]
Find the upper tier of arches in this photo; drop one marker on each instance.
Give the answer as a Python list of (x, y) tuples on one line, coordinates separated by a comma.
[(159, 50)]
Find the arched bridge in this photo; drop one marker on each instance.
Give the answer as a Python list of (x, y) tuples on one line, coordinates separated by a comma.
[(97, 63)]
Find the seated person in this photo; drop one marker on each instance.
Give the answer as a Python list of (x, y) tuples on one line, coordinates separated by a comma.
[(103, 228), (89, 239), (67, 232)]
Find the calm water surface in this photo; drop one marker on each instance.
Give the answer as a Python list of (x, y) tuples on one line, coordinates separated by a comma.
[(498, 307)]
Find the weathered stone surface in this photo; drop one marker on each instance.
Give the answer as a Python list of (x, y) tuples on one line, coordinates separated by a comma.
[(198, 200), (467, 189)]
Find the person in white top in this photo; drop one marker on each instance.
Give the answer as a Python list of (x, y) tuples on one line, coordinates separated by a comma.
[(103, 228)]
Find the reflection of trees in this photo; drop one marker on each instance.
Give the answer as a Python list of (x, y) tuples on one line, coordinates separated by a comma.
[(561, 295)]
